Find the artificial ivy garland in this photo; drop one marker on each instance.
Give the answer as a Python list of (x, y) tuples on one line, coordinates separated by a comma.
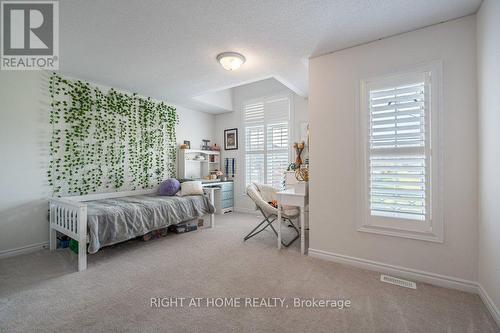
[(107, 140)]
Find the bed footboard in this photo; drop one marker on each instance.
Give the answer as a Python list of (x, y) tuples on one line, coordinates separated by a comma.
[(69, 218)]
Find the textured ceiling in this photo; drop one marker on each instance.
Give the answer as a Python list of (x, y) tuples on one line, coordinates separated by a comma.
[(167, 49)]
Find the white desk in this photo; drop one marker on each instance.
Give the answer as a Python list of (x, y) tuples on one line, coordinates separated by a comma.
[(291, 198)]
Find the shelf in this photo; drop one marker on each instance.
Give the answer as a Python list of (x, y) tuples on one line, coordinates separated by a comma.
[(196, 161), (190, 167), (194, 151)]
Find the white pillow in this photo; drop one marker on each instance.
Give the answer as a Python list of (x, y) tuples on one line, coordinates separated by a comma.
[(191, 188)]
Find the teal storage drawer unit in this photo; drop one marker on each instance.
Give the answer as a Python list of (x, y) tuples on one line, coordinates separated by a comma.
[(227, 195), (226, 203), (226, 187), (224, 197)]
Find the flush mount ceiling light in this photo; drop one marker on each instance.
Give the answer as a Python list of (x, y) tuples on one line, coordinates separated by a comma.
[(231, 61)]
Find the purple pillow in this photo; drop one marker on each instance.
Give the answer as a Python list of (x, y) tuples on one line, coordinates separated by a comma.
[(169, 187)]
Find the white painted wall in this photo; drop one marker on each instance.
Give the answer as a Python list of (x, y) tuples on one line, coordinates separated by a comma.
[(334, 84), (241, 94), (24, 138), (195, 126), (219, 100), (488, 53)]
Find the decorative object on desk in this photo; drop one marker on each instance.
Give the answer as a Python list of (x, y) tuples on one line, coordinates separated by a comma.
[(302, 174), (216, 174), (291, 167), (299, 147), (206, 144), (169, 187), (215, 147), (188, 144), (183, 146), (231, 139)]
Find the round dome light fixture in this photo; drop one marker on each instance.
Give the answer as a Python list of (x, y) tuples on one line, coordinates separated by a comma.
[(231, 61)]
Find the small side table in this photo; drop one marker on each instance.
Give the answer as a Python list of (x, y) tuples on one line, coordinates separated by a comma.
[(291, 198)]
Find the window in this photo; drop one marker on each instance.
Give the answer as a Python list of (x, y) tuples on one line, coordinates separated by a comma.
[(401, 168), (266, 123)]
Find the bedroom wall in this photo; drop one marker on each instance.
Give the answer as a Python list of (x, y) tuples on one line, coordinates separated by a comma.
[(241, 94), (24, 135), (334, 81), (488, 53)]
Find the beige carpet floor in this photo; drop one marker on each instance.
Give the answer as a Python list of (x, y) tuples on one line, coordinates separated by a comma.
[(42, 292)]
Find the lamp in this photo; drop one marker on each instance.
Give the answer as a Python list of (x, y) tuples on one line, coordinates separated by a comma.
[(231, 61)]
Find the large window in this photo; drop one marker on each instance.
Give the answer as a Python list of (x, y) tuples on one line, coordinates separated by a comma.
[(266, 127), (400, 154)]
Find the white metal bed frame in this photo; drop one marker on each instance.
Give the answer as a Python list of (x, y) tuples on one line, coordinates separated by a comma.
[(68, 215)]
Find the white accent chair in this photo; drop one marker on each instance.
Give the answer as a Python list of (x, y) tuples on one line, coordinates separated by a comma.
[(261, 195)]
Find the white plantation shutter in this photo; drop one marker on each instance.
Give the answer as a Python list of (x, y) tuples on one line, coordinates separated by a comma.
[(254, 166), (398, 117), (397, 187), (398, 147), (266, 125), (277, 153), (254, 142)]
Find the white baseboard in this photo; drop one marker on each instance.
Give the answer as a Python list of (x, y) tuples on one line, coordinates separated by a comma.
[(488, 302), (23, 250), (399, 271), (413, 274)]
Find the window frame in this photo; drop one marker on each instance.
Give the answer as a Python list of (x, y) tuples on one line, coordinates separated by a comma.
[(432, 228), (290, 120)]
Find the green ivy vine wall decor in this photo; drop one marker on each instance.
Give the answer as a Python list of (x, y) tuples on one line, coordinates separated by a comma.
[(107, 140)]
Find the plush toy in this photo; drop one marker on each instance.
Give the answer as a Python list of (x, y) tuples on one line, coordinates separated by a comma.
[(169, 187), (274, 203)]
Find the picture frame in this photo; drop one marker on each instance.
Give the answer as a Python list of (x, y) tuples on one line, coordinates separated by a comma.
[(231, 139), (188, 143)]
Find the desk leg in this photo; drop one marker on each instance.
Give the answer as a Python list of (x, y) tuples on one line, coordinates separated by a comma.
[(302, 232), (279, 225)]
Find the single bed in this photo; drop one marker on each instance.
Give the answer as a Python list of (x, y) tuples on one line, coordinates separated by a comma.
[(110, 218)]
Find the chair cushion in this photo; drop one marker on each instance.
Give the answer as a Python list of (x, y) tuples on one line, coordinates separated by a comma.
[(267, 193), (259, 193)]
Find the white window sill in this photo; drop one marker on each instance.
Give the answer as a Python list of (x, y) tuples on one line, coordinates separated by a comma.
[(425, 236)]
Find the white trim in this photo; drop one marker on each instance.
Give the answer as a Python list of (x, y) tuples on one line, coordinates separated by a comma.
[(488, 302), (403, 233), (433, 230), (413, 274), (23, 250), (399, 271)]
